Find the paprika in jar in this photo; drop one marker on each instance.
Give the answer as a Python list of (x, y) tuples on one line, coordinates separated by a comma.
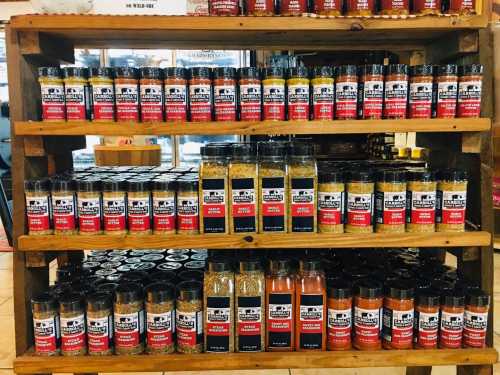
[(64, 206), (52, 93), (451, 201), (396, 91), (452, 321), (397, 327), (293, 7), (470, 80), (224, 7), (102, 94), (328, 7), (38, 209), (360, 8), (139, 207), (298, 93), (259, 7), (390, 201), (114, 207), (323, 93), (477, 305), (273, 88), (200, 94), (447, 90), (346, 92), (89, 206), (187, 206), (126, 94), (151, 86), (339, 315), (331, 201), (368, 302), (395, 7), (175, 90), (371, 92), (426, 323), (76, 92), (427, 7), (280, 302), (462, 7), (224, 94), (47, 332), (421, 202), (421, 86), (250, 94), (359, 203), (164, 206)]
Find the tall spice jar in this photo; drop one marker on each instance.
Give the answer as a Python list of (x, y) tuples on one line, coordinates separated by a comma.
[(426, 324), (188, 212), (38, 209), (151, 99), (102, 94), (451, 201), (176, 94), (447, 90), (331, 201), (52, 94), (360, 188), (127, 94), (452, 321), (114, 207), (297, 86), (390, 201), (322, 93), (224, 84), (224, 7), (371, 92), (139, 207), (477, 305), (89, 206), (76, 92), (396, 91), (421, 202), (200, 94), (160, 318), (250, 94), (470, 79), (259, 7), (129, 324), (293, 7), (189, 317), (368, 302), (339, 319), (397, 327), (273, 94), (164, 206), (420, 96), (47, 333), (100, 324), (73, 329), (63, 206), (346, 92), (328, 7)]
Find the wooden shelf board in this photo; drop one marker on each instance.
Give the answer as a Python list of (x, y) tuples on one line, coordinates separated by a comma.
[(254, 241), (253, 128)]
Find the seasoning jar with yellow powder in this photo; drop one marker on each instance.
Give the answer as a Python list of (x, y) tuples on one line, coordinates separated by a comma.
[(63, 206), (451, 201), (139, 207), (421, 202), (114, 206), (390, 201), (38, 213), (359, 207), (52, 94), (331, 196)]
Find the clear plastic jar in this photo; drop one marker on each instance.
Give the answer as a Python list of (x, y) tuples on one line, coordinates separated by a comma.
[(73, 329), (421, 86), (368, 302), (52, 94), (103, 94), (273, 94), (151, 86), (160, 318), (76, 92), (346, 92), (189, 317), (38, 214), (397, 328), (451, 202), (447, 90), (452, 321), (129, 319), (339, 318), (331, 197), (426, 327), (390, 201), (322, 93), (114, 207), (127, 94), (371, 92), (200, 94), (359, 203), (63, 206), (297, 86), (188, 212), (89, 204), (224, 84), (100, 324), (477, 306), (139, 207), (164, 206), (470, 80), (250, 94), (47, 335), (421, 202), (396, 91), (176, 93)]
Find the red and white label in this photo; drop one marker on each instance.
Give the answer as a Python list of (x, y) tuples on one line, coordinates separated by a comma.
[(128, 329), (103, 101), (391, 208), (225, 103), (151, 102), (395, 98), (218, 321), (302, 202), (311, 319), (274, 102), (114, 214), (63, 212), (323, 98), (164, 213), (175, 102), (89, 215), (452, 326), (200, 100), (99, 334), (159, 331), (53, 102), (420, 100), (187, 213), (453, 204), (280, 318), (469, 99), (75, 102), (326, 5), (73, 333), (346, 100), (339, 327), (367, 325), (423, 207), (298, 101), (214, 203), (359, 209), (475, 327), (426, 329), (273, 201), (294, 6), (249, 321), (46, 332), (188, 325), (139, 214), (127, 102), (373, 97), (243, 203), (330, 208), (38, 213), (447, 99), (250, 102), (398, 327)]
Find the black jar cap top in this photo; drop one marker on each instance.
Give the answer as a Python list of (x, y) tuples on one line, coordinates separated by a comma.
[(368, 288), (281, 266), (191, 275), (453, 299), (62, 184), (322, 72), (476, 297), (212, 150), (300, 149), (75, 72), (346, 70), (164, 184), (397, 69), (99, 301), (332, 176), (452, 175), (128, 292), (190, 290), (160, 292), (148, 72), (447, 70), (273, 149), (360, 175), (126, 72), (224, 73), (421, 176), (391, 175), (43, 302), (472, 70), (250, 264), (50, 71), (71, 302), (249, 73), (114, 185), (42, 184), (273, 72), (310, 264), (200, 72), (101, 72), (175, 72), (371, 69), (428, 298), (243, 151), (107, 288), (219, 264), (138, 186), (400, 290), (421, 70), (187, 184), (137, 276), (166, 276), (339, 289), (88, 185), (298, 72)]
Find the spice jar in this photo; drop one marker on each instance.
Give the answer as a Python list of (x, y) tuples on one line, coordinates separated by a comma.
[(129, 319), (151, 84), (451, 201), (280, 301), (175, 91), (189, 317), (359, 210), (72, 318), (273, 187), (421, 202), (420, 97), (452, 321), (224, 94), (371, 92), (38, 213), (462, 7), (273, 99), (396, 91), (89, 197), (426, 326), (47, 334), (303, 182), (397, 328), (293, 7), (213, 190), (395, 7), (368, 302), (126, 94), (427, 7), (200, 94), (76, 92), (477, 306), (360, 8), (103, 94), (114, 206), (187, 207), (163, 199), (390, 201), (346, 92), (218, 295), (339, 315), (323, 93), (250, 306), (259, 7), (100, 324), (160, 318), (328, 7), (447, 90), (52, 94), (224, 7), (250, 94), (331, 196), (243, 185), (63, 206), (298, 93), (470, 80), (139, 207)]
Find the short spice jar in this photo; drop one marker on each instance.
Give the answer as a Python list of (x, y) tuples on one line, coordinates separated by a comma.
[(139, 207), (100, 324), (47, 333), (129, 319), (390, 201), (368, 302), (188, 212), (426, 325), (102, 94), (420, 96), (273, 94), (63, 206), (421, 202), (447, 90), (339, 319), (163, 196), (395, 7), (452, 321), (224, 7), (396, 91), (52, 94), (293, 7), (151, 98), (250, 94), (331, 201), (73, 329), (397, 322), (189, 317), (176, 93), (89, 206), (451, 200), (322, 93), (297, 88), (470, 80), (38, 212), (76, 92), (360, 8), (160, 318), (114, 205), (462, 7), (224, 84), (371, 92), (259, 7), (127, 94), (360, 188), (346, 92), (477, 306), (200, 94), (328, 7)]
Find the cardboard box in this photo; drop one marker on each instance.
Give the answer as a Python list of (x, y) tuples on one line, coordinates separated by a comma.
[(140, 7), (197, 7)]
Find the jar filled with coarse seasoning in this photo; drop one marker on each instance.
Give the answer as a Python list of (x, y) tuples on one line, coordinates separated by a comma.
[(163, 199), (76, 92), (47, 333), (297, 89), (52, 94), (100, 324), (250, 94), (160, 318), (451, 201), (175, 87), (139, 207), (200, 94), (250, 306), (346, 92), (73, 329), (129, 319), (224, 82), (447, 89), (63, 206), (218, 295), (420, 96), (396, 91), (38, 212), (470, 79), (102, 94), (331, 197), (273, 94), (187, 206), (322, 93), (359, 202), (390, 201), (151, 94), (127, 94), (89, 197), (114, 205), (421, 202), (371, 91), (189, 317)]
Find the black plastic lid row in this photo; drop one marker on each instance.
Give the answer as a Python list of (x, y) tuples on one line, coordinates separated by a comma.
[(249, 73), (173, 72), (126, 72), (372, 69), (75, 72), (101, 72), (447, 70), (50, 72), (299, 72), (151, 73), (160, 292), (322, 72), (421, 70), (224, 73)]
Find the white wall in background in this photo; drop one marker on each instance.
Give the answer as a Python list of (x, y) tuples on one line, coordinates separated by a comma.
[(12, 8)]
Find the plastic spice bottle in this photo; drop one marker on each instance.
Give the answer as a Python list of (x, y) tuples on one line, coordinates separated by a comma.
[(426, 324), (224, 7), (139, 207), (421, 86), (273, 88), (339, 315), (100, 324), (280, 302), (89, 206), (328, 7), (127, 94), (200, 94), (224, 94), (250, 94), (151, 85), (175, 90), (390, 201), (63, 206), (52, 92), (360, 8), (395, 7), (164, 206), (452, 321), (76, 91), (47, 333), (187, 207), (396, 91), (451, 201), (103, 94), (359, 203), (371, 92), (470, 79), (293, 7), (73, 329), (427, 7), (322, 93), (129, 319), (477, 306), (346, 92), (421, 202), (368, 301), (331, 202), (160, 318), (189, 317), (38, 212), (114, 207), (259, 7), (462, 7), (447, 89), (298, 93), (397, 329)]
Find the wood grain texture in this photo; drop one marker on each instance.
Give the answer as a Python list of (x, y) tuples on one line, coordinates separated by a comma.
[(127, 155)]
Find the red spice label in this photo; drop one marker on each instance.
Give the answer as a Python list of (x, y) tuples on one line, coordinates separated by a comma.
[(339, 327), (422, 207), (372, 99), (151, 102), (420, 100), (323, 101), (426, 329), (451, 206), (280, 317), (218, 323), (311, 319), (260, 5), (63, 209), (114, 214), (302, 202), (127, 102), (188, 325), (103, 100), (395, 98), (390, 208), (243, 203), (225, 103), (353, 5), (99, 334), (250, 102), (425, 4), (37, 212), (214, 203), (187, 213), (326, 5), (200, 100), (46, 332), (367, 325), (274, 102), (159, 330), (330, 208), (459, 5), (359, 209), (294, 6), (164, 213), (346, 99), (398, 327), (53, 103), (298, 102), (452, 326), (249, 320), (273, 201), (447, 99), (75, 102), (139, 214), (89, 214), (73, 333), (475, 327), (469, 99), (128, 329), (175, 102), (223, 7), (395, 4)]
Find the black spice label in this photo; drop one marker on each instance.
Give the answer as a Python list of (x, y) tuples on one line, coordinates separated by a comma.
[(273, 204), (311, 321), (280, 320), (218, 321), (214, 205), (249, 324), (302, 201)]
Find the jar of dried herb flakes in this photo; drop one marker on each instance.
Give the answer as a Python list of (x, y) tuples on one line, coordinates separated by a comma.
[(47, 334), (421, 202), (243, 188), (163, 197), (390, 201), (360, 193), (160, 318), (213, 190), (63, 206), (114, 204), (250, 306), (139, 207), (451, 201), (52, 94), (38, 213), (100, 324), (218, 295), (273, 187), (187, 206), (129, 319), (73, 330), (189, 317), (331, 196), (89, 203)]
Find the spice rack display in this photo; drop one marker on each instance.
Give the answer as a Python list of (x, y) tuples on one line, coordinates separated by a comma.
[(39, 150)]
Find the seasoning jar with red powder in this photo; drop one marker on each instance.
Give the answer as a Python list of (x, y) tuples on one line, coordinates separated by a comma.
[(447, 89), (346, 92), (127, 94), (328, 7), (259, 7), (293, 7), (250, 94), (224, 7), (224, 84), (368, 302), (322, 93), (200, 94), (470, 79), (339, 323), (395, 7), (421, 86), (452, 321), (175, 88), (427, 7), (151, 84), (360, 8), (371, 92), (426, 325), (477, 306), (397, 328), (396, 91), (462, 7)]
